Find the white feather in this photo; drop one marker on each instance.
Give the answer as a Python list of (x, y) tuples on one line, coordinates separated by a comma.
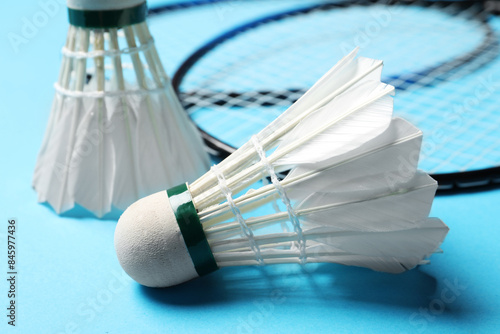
[(127, 179), (357, 209), (53, 163), (364, 209), (390, 251), (348, 73), (91, 170), (355, 117), (384, 162)]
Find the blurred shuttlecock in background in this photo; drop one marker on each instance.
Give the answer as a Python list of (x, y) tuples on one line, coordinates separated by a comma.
[(117, 131), (353, 194)]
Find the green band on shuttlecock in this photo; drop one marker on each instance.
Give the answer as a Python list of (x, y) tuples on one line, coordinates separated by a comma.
[(108, 18), (191, 229)]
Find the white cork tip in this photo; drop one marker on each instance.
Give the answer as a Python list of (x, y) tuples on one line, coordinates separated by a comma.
[(102, 4), (150, 246)]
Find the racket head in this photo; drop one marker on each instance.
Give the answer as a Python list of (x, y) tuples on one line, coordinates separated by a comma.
[(441, 56)]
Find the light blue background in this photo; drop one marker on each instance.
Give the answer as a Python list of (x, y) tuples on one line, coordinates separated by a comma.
[(70, 280)]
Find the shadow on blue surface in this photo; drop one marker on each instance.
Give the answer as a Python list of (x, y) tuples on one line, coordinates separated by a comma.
[(327, 282)]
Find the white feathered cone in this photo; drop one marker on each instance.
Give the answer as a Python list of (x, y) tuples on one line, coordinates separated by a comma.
[(117, 131), (353, 195)]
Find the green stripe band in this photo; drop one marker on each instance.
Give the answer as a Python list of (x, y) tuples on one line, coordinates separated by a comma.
[(108, 18), (191, 229)]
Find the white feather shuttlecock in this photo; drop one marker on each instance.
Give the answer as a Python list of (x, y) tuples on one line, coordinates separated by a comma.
[(117, 131), (353, 194)]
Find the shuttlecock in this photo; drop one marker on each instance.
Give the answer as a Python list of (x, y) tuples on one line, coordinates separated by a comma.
[(117, 131), (353, 195)]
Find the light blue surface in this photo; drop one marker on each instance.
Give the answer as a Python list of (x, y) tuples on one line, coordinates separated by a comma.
[(70, 280)]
